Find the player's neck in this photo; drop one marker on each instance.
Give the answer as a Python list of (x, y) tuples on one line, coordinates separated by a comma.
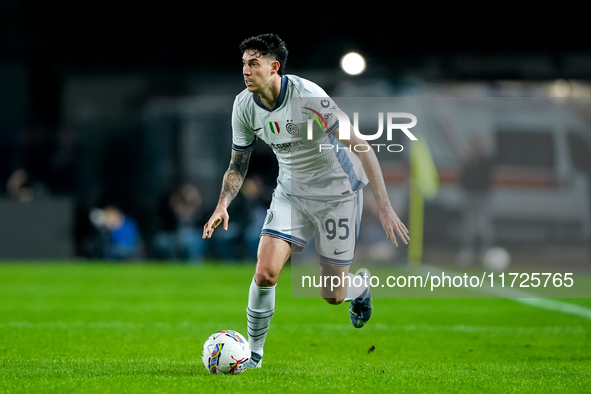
[(270, 93)]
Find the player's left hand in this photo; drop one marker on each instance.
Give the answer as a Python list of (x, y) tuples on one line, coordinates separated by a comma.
[(393, 226)]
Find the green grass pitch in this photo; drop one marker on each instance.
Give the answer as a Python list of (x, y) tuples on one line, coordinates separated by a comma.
[(139, 328)]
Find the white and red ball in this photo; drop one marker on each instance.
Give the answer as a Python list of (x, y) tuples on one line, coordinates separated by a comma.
[(226, 352)]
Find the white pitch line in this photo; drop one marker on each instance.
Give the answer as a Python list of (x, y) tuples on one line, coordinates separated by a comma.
[(526, 298), (554, 305)]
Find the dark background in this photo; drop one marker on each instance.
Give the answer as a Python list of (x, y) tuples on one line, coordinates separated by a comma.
[(96, 69)]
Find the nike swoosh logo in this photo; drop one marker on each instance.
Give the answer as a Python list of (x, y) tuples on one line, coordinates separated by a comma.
[(257, 129), (337, 253)]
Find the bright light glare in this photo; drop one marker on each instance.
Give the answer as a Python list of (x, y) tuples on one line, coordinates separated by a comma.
[(560, 88), (353, 63)]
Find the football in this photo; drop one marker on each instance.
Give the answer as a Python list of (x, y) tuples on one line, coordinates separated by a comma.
[(226, 352), (496, 259)]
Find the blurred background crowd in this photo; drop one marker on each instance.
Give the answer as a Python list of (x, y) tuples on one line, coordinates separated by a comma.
[(115, 131)]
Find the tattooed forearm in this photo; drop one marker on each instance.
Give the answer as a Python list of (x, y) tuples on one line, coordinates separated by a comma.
[(234, 177)]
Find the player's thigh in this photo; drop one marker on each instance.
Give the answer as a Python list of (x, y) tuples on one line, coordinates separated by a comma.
[(271, 257), (333, 280)]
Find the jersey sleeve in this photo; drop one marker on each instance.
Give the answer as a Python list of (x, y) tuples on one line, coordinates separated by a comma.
[(243, 137)]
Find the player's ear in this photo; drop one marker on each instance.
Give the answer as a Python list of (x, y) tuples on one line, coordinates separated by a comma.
[(275, 66)]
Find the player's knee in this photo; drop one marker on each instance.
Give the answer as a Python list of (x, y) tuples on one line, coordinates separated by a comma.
[(334, 301), (265, 278)]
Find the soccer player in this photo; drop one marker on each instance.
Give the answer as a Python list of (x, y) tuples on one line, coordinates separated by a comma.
[(319, 191)]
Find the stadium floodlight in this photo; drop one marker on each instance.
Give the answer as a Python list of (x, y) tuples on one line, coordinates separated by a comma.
[(353, 63), (560, 88)]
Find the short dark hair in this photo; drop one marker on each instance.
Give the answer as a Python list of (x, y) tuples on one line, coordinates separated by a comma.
[(267, 44)]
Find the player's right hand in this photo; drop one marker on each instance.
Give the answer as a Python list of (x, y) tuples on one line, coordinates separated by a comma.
[(220, 215)]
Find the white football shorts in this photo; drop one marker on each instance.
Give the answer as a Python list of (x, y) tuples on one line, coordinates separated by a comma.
[(333, 221)]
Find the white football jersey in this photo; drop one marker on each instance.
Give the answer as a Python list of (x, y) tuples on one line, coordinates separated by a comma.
[(304, 168)]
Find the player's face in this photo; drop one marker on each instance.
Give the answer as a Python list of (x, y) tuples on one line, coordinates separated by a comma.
[(257, 70)]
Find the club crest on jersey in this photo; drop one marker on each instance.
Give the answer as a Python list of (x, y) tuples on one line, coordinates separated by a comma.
[(269, 217), (274, 127), (292, 129)]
